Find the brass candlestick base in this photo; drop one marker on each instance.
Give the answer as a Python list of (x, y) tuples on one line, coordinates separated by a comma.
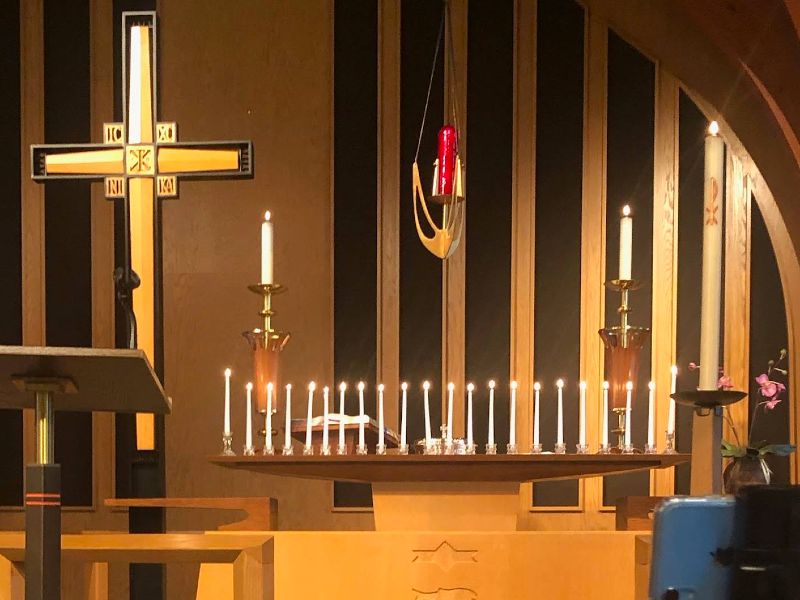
[(267, 344), (619, 430)]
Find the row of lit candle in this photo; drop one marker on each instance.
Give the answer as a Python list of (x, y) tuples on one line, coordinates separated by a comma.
[(448, 442)]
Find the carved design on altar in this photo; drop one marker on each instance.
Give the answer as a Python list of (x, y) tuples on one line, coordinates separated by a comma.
[(445, 556), (458, 593)]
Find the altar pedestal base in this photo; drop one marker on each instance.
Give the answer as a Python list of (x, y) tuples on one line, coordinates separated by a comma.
[(445, 506)]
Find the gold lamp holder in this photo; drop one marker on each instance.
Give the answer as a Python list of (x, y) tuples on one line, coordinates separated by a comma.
[(267, 343), (445, 239), (623, 345)]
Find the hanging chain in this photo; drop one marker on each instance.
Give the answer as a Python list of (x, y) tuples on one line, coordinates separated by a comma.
[(430, 81)]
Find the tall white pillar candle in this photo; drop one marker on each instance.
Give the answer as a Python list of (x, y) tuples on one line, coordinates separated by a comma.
[(381, 435), (310, 413), (403, 414), (227, 424), (325, 423), (470, 438), (266, 249), (491, 413), (249, 418), (268, 424), (560, 432), (672, 389), (628, 423), (426, 386), (536, 389), (604, 429), (582, 414), (450, 388), (712, 259), (342, 389), (625, 243), (287, 433), (651, 414), (361, 442), (512, 417)]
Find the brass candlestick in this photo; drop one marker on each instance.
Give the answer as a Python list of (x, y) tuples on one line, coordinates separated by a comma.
[(623, 346), (267, 344)]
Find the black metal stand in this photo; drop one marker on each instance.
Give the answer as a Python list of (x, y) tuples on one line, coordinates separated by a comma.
[(42, 532)]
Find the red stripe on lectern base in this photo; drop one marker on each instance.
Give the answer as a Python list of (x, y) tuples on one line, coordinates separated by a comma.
[(42, 499), (39, 503), (55, 495)]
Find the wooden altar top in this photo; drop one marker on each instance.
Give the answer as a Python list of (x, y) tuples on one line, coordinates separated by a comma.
[(517, 468)]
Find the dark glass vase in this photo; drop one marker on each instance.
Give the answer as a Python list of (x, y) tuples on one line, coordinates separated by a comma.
[(750, 469)]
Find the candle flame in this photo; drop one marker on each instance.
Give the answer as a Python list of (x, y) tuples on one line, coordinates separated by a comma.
[(312, 386), (629, 386), (674, 369), (582, 385), (426, 385), (288, 387), (651, 386), (342, 386), (267, 216), (404, 386), (470, 387), (269, 387), (380, 388), (451, 386), (626, 211), (360, 386), (537, 386), (491, 384), (325, 390), (605, 385), (713, 128), (249, 387), (227, 372), (560, 383), (513, 385)]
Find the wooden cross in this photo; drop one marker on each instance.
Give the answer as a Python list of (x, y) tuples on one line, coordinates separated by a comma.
[(140, 161)]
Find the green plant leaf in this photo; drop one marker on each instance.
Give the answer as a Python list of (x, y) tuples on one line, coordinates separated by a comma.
[(729, 450), (777, 449)]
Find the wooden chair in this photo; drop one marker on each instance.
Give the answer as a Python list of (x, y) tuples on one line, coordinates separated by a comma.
[(635, 513), (249, 555)]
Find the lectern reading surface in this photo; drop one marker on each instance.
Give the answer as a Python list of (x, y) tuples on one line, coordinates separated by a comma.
[(76, 379)]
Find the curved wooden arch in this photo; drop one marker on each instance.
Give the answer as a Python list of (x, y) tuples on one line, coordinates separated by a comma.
[(735, 62)]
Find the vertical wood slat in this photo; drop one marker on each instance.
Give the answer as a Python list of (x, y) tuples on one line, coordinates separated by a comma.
[(593, 234), (737, 286), (388, 296), (665, 259), (523, 224), (454, 268), (32, 194), (102, 235)]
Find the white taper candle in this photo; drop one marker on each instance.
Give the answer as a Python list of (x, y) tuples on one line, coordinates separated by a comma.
[(625, 243), (325, 419), (403, 414), (268, 424), (604, 427), (249, 419), (560, 430), (470, 438), (227, 425), (673, 387), (287, 432), (536, 389), (426, 386), (512, 417), (310, 413), (628, 423), (361, 441), (491, 412), (651, 414), (381, 432), (266, 249), (582, 414), (342, 389), (450, 389)]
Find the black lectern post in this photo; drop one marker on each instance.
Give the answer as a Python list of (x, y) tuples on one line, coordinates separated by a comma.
[(76, 379)]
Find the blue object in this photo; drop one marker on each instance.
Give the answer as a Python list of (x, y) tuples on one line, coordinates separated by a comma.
[(686, 534)]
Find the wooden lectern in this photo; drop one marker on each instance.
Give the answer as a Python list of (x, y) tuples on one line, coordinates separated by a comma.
[(76, 379)]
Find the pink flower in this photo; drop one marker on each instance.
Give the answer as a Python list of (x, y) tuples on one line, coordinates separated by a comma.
[(768, 388), (724, 383), (770, 404), (693, 366)]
